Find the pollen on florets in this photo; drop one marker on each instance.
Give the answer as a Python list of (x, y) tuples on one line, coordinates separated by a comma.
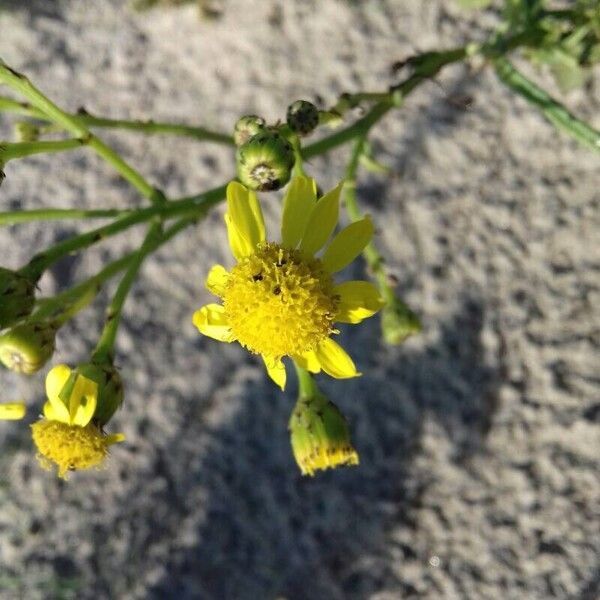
[(279, 302), (68, 446)]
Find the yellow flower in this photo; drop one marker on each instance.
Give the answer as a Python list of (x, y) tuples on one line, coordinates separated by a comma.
[(67, 436), (280, 299)]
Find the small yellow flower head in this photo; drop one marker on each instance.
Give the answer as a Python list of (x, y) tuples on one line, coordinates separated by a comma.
[(17, 297), (69, 435), (302, 117), (280, 299), (319, 435), (265, 161), (246, 127), (27, 347)]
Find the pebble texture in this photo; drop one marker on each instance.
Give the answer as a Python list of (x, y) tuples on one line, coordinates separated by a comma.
[(478, 439)]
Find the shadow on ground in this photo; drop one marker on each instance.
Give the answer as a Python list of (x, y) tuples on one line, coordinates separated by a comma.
[(268, 533)]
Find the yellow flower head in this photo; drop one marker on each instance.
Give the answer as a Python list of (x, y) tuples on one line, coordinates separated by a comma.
[(67, 436), (280, 299)]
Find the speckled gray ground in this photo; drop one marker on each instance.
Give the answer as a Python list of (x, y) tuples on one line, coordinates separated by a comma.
[(479, 439)]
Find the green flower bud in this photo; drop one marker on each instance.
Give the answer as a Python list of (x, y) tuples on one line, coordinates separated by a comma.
[(302, 117), (17, 297), (110, 389), (246, 127), (27, 347), (398, 322), (319, 435), (26, 131), (265, 161)]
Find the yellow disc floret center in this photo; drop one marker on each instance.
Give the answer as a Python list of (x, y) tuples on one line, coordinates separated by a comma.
[(69, 446), (279, 302)]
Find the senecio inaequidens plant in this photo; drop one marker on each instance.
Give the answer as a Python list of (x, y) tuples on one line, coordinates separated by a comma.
[(280, 298)]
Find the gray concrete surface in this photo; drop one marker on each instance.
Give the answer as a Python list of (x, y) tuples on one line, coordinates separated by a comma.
[(478, 439)]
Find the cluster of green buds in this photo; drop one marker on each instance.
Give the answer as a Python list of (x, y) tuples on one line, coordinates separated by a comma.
[(265, 154)]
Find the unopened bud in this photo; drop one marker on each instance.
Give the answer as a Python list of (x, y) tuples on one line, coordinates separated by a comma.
[(27, 347), (17, 297), (302, 117), (26, 131), (319, 435), (398, 322), (246, 127), (265, 161)]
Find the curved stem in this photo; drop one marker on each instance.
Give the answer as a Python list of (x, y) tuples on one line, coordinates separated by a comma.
[(154, 239), (54, 214), (21, 84), (398, 320), (553, 110), (80, 295), (146, 127), (307, 388), (10, 151), (194, 204)]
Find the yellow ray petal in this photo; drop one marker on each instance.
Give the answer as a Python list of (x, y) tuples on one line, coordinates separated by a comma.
[(12, 411), (308, 361), (114, 438), (321, 221), (56, 379), (56, 411), (83, 401), (298, 203), (211, 321), (347, 245), (358, 300), (276, 371), (217, 279), (335, 361), (244, 220)]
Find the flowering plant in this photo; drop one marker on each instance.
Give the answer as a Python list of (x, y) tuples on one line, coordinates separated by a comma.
[(280, 299)]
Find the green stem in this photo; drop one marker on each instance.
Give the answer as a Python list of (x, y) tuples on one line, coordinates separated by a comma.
[(553, 110), (53, 214), (428, 68), (21, 84), (398, 320), (146, 127), (194, 204), (11, 151), (154, 127), (80, 295), (154, 239), (298, 170), (306, 383)]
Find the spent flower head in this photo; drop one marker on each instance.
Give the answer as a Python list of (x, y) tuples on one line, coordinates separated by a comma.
[(280, 299), (68, 435), (319, 435)]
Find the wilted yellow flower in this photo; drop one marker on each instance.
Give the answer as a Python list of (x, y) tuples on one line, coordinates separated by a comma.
[(280, 299), (67, 436), (319, 435)]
